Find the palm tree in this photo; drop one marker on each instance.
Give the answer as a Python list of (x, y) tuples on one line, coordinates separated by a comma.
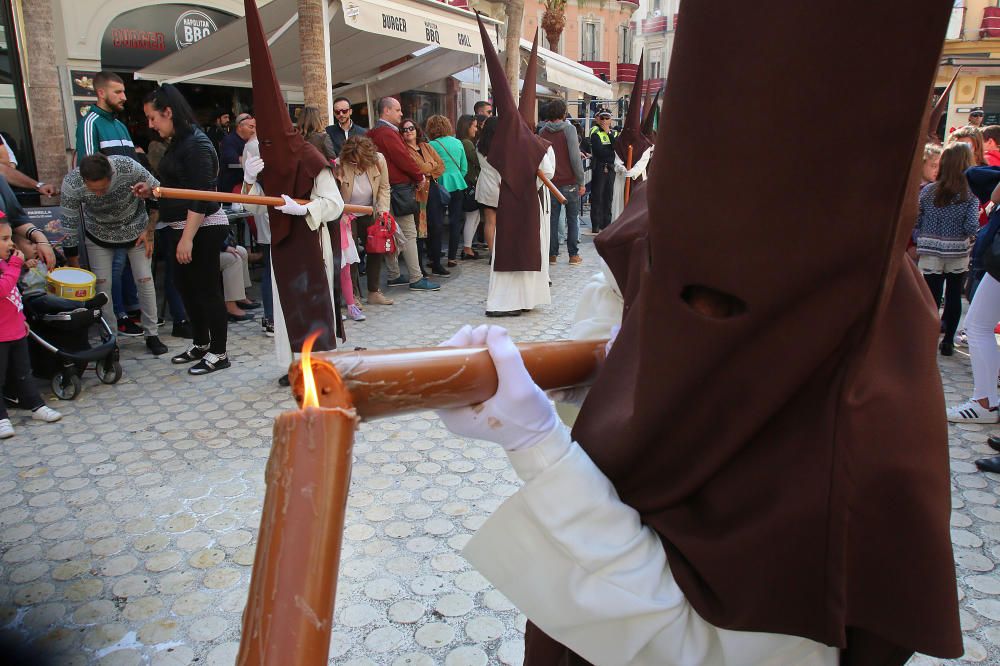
[(554, 21), (315, 87), (512, 45)]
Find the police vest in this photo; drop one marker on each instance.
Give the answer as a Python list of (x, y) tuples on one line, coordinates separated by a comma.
[(605, 138)]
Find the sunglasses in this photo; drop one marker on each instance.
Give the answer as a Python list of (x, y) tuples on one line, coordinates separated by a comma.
[(409, 128), (341, 112)]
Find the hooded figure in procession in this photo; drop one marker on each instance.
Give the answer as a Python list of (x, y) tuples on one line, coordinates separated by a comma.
[(305, 249), (519, 273)]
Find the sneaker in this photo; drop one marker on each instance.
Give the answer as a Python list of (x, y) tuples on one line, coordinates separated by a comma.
[(423, 284), (961, 339), (378, 298), (193, 353), (590, 232), (182, 329), (575, 260), (440, 271), (355, 313), (972, 412), (268, 327), (210, 363), (398, 282), (45, 413), (128, 328), (553, 259), (155, 346), (6, 429)]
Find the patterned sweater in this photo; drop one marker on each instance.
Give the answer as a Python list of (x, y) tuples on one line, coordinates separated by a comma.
[(945, 231), (115, 219)]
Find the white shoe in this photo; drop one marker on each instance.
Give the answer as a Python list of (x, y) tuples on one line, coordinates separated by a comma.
[(972, 412), (46, 413), (6, 429), (355, 313)]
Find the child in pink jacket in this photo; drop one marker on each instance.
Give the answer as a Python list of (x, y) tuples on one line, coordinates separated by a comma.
[(14, 339)]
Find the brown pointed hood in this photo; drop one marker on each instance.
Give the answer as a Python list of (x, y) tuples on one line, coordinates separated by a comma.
[(939, 108), (516, 151), (290, 167), (291, 162), (526, 104), (794, 462), (651, 116), (631, 134)]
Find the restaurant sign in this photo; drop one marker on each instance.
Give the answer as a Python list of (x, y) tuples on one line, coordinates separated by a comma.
[(142, 36)]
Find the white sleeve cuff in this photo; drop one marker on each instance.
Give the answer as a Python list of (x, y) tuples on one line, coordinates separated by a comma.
[(530, 462)]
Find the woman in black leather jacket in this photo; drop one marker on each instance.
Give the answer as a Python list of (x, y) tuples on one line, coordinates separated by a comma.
[(198, 228)]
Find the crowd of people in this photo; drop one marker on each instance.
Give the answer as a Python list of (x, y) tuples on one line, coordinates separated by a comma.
[(952, 242), (434, 179)]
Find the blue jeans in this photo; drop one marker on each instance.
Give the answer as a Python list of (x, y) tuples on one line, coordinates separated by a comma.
[(164, 241), (266, 297), (571, 192), (124, 295)]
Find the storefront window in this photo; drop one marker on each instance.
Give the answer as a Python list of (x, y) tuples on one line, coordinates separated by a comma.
[(421, 105), (13, 118)]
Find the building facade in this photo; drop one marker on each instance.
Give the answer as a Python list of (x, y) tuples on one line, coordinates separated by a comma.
[(972, 49)]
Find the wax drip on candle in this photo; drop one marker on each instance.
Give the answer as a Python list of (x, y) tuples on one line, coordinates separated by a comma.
[(317, 378)]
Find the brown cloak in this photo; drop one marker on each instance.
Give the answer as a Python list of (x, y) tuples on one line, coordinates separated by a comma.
[(290, 167), (794, 462), (515, 152)]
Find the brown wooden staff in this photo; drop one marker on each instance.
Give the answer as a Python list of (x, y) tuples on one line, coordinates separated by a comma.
[(231, 197), (628, 181), (552, 188), (397, 381)]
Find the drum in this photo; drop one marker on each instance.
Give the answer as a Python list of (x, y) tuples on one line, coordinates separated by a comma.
[(75, 284)]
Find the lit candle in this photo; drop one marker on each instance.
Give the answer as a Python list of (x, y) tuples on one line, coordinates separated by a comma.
[(293, 585)]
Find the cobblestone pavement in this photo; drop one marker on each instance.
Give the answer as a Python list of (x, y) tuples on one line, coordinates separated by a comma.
[(128, 529)]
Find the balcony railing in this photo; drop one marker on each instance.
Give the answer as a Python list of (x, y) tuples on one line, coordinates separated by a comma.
[(602, 68), (990, 26), (634, 4), (626, 72), (650, 86), (655, 24)]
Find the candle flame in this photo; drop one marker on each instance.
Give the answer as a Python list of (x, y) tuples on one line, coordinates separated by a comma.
[(310, 397)]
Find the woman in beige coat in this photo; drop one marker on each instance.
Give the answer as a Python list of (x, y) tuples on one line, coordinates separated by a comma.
[(364, 180)]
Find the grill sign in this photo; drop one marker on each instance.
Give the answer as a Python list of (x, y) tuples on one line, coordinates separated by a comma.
[(395, 23), (192, 26), (463, 40)]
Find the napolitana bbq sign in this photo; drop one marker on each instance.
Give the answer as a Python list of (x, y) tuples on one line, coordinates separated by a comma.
[(142, 36)]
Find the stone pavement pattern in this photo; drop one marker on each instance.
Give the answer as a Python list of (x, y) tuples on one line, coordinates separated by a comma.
[(128, 529)]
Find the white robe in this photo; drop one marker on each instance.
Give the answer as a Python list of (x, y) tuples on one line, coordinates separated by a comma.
[(523, 290), (581, 565), (621, 173), (325, 206)]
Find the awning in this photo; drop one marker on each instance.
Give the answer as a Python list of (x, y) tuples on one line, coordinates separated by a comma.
[(364, 35), (424, 68), (556, 72)]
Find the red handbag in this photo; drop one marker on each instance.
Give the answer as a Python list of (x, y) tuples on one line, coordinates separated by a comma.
[(381, 235)]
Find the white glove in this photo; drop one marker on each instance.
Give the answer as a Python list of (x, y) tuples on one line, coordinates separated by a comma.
[(252, 167), (620, 168), (519, 415), (576, 396), (291, 207)]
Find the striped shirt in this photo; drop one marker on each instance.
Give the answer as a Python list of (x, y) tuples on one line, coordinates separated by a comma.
[(101, 132)]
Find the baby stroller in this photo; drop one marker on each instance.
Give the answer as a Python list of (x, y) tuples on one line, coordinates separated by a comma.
[(59, 341)]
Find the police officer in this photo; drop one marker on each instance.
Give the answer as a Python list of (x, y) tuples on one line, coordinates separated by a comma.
[(603, 164)]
